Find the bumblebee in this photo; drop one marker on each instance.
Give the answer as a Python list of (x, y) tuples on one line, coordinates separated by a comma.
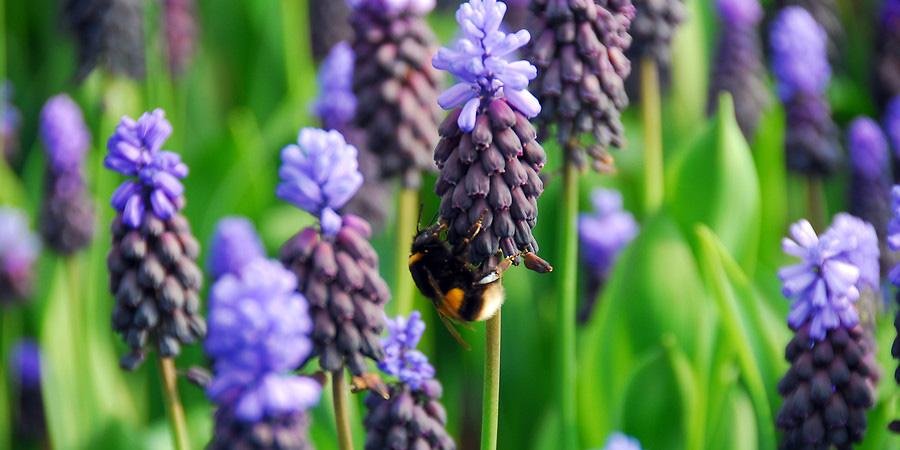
[(460, 291)]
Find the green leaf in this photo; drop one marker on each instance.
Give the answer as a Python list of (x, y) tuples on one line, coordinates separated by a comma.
[(713, 181), (768, 154)]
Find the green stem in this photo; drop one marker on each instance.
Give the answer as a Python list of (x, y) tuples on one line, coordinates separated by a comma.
[(174, 409), (11, 323), (653, 147), (407, 221), (341, 410), (565, 351), (815, 190), (490, 406), (292, 16)]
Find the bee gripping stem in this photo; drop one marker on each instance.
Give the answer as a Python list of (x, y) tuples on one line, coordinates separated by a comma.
[(491, 396)]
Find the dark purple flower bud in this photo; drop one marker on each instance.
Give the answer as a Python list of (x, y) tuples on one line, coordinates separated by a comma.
[(67, 215), (603, 234), (579, 50), (887, 57), (181, 33), (235, 244), (328, 25), (738, 67), (892, 124), (283, 432), (108, 33), (25, 371), (893, 242), (10, 121), (811, 139), (19, 249), (654, 27), (827, 14), (395, 85)]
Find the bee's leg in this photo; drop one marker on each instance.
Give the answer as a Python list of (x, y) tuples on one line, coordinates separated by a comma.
[(473, 232), (369, 382)]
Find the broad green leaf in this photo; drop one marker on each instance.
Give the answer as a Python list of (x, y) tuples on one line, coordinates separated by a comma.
[(690, 72), (768, 154), (739, 428), (713, 182)]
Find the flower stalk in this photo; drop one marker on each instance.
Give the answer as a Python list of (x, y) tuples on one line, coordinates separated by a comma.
[(174, 408), (566, 310), (341, 410), (490, 407), (406, 225), (653, 147)]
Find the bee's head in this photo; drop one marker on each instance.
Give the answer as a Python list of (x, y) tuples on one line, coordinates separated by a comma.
[(427, 241)]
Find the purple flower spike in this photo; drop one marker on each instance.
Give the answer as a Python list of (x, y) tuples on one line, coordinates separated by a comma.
[(65, 135), (606, 231), (893, 231), (863, 250), (395, 7), (479, 60), (135, 150), (619, 441), (401, 359), (799, 53), (868, 147), (319, 175), (19, 249), (892, 123), (741, 13), (259, 331), (25, 364), (235, 244), (336, 104)]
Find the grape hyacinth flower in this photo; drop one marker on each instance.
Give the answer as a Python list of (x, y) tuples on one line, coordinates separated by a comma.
[(892, 124), (893, 240), (108, 33), (871, 180), (336, 108), (152, 264), (887, 58), (830, 384), (67, 214), (10, 121), (579, 50), (336, 266), (412, 417), (328, 25), (488, 155), (739, 68), (603, 234), (235, 244), (395, 85), (179, 20), (619, 441), (25, 371), (654, 26), (827, 14), (259, 327), (802, 72), (19, 249)]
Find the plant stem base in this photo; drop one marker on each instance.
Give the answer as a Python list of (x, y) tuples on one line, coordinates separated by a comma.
[(174, 408), (341, 410), (491, 396)]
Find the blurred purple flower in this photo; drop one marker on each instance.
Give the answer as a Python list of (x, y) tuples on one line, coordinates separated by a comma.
[(892, 123), (620, 441), (401, 359), (19, 249), (259, 331), (10, 120), (799, 53), (479, 60), (741, 13), (25, 364), (235, 244), (606, 231), (319, 175), (65, 135), (336, 104), (135, 150), (395, 7), (893, 232), (868, 148), (863, 249)]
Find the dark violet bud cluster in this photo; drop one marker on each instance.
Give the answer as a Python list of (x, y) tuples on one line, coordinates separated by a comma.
[(655, 23), (328, 25), (619, 441), (887, 60), (10, 121), (181, 33), (19, 249), (579, 49), (28, 404), (336, 266), (108, 33), (870, 178), (258, 333), (412, 417), (892, 124), (603, 234), (802, 72), (827, 14), (893, 240), (234, 245), (489, 157), (67, 215), (395, 85), (738, 67), (152, 263)]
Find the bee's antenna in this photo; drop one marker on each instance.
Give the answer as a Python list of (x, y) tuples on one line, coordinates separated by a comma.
[(419, 218)]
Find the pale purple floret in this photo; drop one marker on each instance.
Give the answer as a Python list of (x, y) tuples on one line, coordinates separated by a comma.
[(65, 135), (868, 148), (479, 61), (892, 123), (606, 231), (799, 54), (135, 150), (19, 246), (620, 441), (319, 175), (893, 232), (258, 332), (740, 13), (336, 104), (395, 7), (401, 359), (234, 245), (834, 267)]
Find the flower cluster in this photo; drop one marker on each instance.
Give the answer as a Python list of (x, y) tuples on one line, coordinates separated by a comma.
[(28, 406), (479, 59), (893, 241), (655, 24), (19, 249), (395, 7), (412, 416), (871, 181), (579, 49), (739, 68), (109, 33), (67, 214), (827, 14), (235, 244), (602, 234), (328, 25), (887, 58), (892, 123), (319, 175), (336, 104), (135, 150), (834, 267), (181, 33)]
